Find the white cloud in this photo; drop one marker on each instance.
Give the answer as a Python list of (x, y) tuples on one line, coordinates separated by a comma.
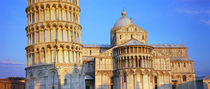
[(203, 14), (9, 61), (193, 11), (11, 68), (206, 21)]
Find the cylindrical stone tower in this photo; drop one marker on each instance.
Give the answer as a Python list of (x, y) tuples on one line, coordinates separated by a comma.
[(54, 37), (133, 64)]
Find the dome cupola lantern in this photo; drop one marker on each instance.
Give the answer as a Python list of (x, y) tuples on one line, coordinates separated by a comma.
[(123, 13)]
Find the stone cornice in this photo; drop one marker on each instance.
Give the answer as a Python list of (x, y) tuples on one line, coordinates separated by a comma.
[(52, 3), (50, 23), (52, 43)]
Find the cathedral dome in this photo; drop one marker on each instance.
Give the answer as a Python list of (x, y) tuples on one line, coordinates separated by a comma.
[(123, 21)]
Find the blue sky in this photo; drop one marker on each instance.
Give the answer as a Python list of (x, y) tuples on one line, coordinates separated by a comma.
[(166, 21)]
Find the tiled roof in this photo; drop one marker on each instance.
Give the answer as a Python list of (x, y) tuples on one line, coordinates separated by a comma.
[(168, 46), (181, 59), (97, 45), (132, 42)]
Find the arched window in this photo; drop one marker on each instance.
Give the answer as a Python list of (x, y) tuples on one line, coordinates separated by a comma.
[(128, 62), (63, 56), (44, 35), (127, 50), (131, 49), (65, 81), (76, 57), (30, 40), (73, 17), (136, 59), (67, 31), (77, 37), (39, 57), (44, 56), (156, 80), (33, 59), (43, 14), (73, 56), (125, 79), (38, 36), (112, 80), (184, 78), (184, 65), (140, 62), (90, 52), (69, 56), (56, 34), (71, 36), (66, 15), (33, 18)]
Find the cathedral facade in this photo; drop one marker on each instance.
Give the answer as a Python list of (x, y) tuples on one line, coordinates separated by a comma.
[(56, 59), (131, 63)]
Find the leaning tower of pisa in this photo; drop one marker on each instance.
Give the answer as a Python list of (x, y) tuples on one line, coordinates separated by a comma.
[(54, 57)]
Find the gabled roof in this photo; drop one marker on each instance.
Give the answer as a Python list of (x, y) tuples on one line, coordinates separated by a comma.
[(132, 42)]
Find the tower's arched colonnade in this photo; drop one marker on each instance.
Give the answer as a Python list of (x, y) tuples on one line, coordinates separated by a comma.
[(134, 69), (54, 44)]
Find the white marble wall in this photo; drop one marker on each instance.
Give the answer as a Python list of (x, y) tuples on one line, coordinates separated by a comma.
[(66, 77)]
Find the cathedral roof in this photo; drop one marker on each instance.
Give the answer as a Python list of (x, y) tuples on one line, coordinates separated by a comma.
[(181, 59), (133, 42), (123, 21), (168, 46), (153, 45), (203, 77), (97, 45)]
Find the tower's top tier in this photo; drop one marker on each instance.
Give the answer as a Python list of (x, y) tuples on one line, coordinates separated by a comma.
[(75, 2), (45, 11)]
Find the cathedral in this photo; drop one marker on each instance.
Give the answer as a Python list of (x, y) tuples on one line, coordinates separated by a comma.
[(56, 58)]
